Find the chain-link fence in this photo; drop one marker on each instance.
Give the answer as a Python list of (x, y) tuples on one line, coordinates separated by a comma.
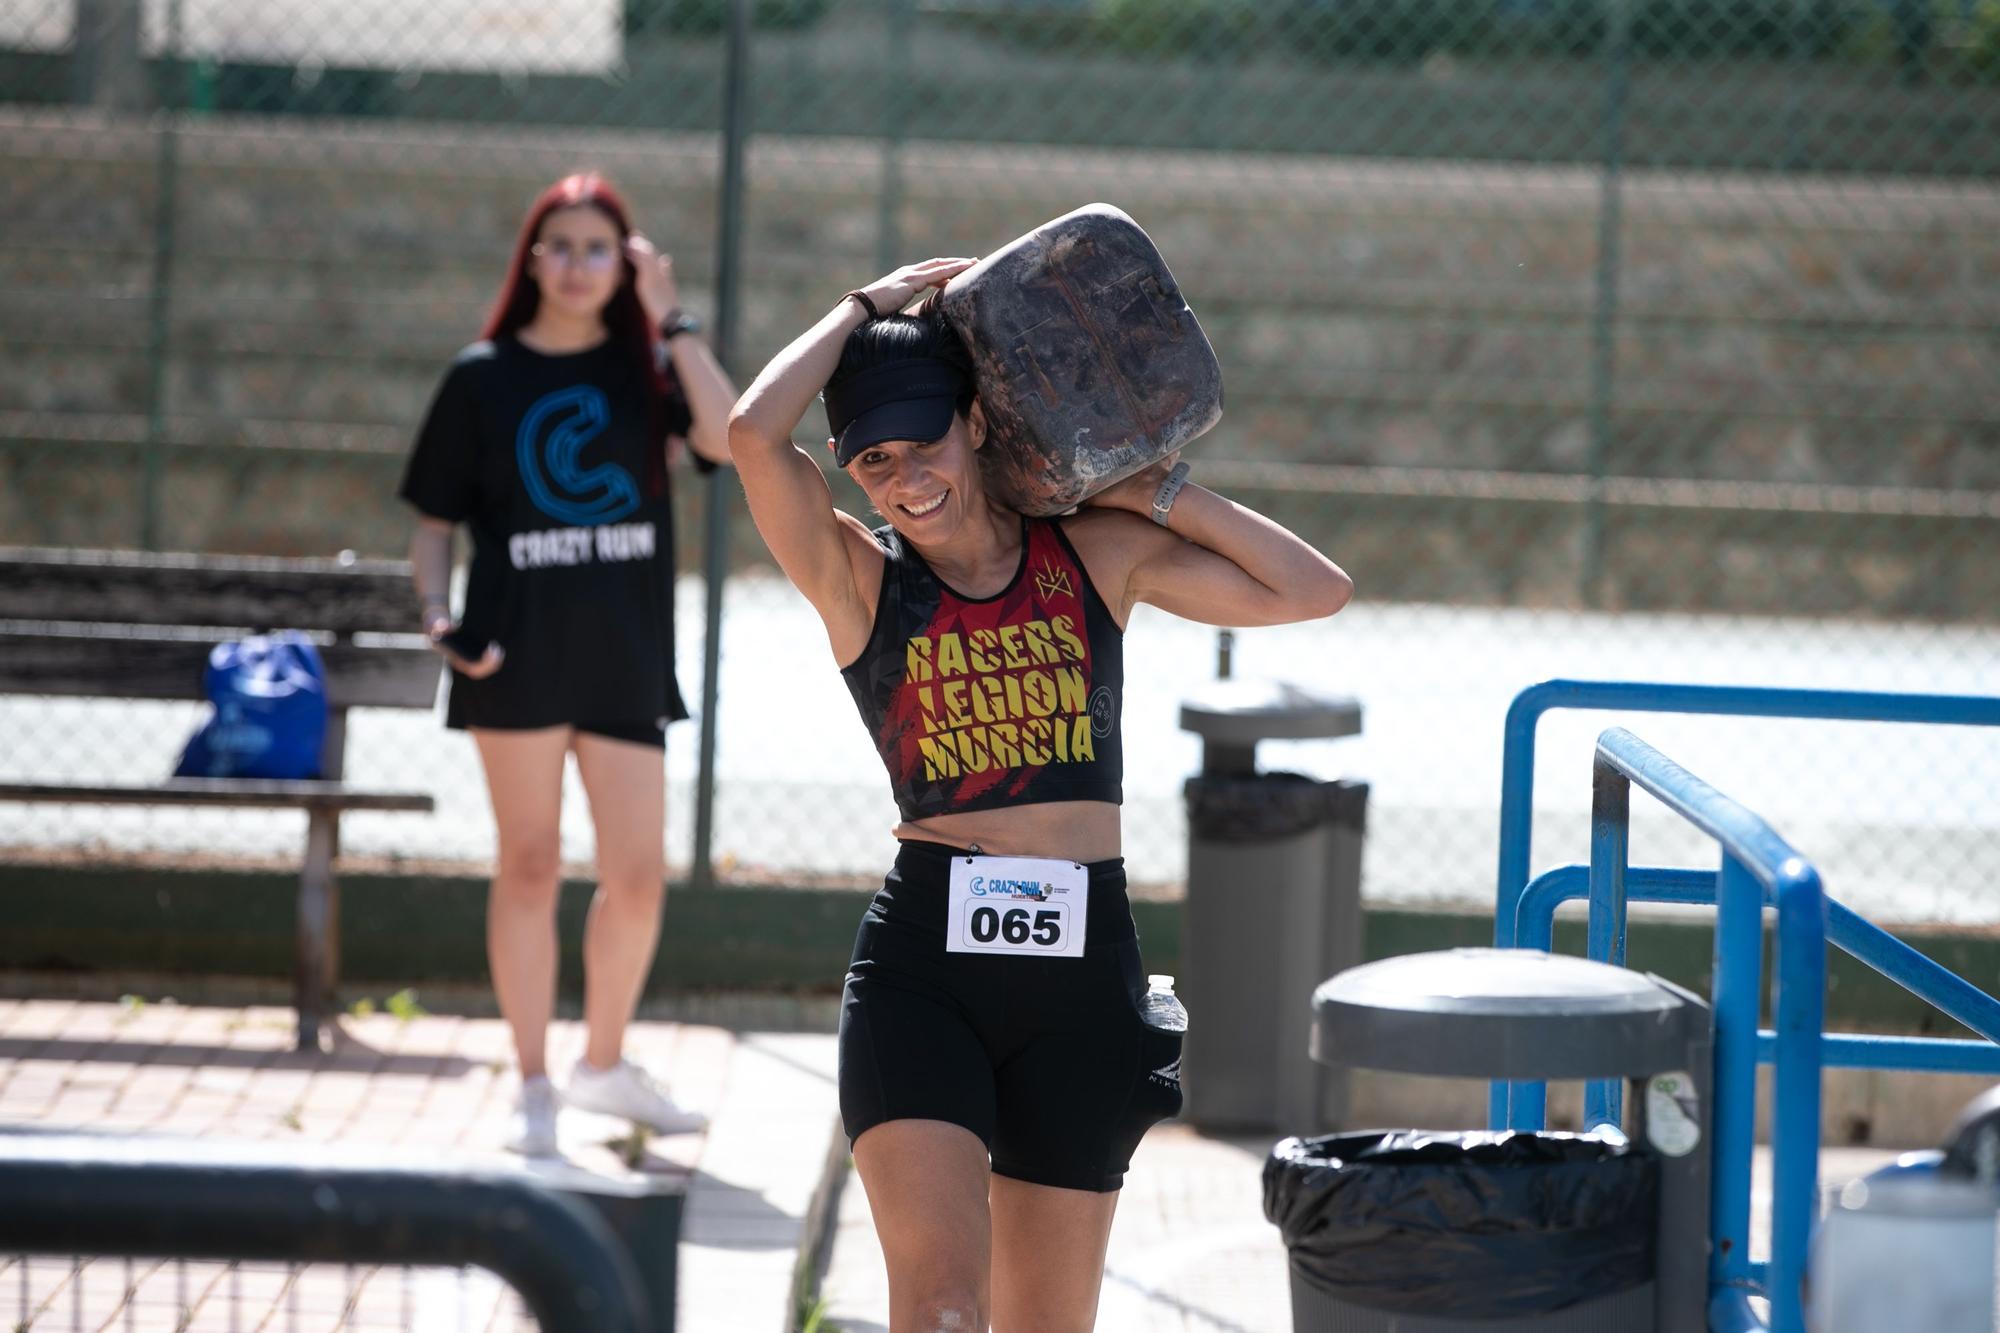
[(1627, 338)]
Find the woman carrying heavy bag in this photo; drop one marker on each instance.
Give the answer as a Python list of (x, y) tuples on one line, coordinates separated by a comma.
[(996, 1068)]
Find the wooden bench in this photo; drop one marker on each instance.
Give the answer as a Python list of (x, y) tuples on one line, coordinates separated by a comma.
[(131, 625)]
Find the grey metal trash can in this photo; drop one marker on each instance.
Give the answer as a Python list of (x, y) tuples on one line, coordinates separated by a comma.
[(1524, 1015), (1911, 1245), (1273, 906)]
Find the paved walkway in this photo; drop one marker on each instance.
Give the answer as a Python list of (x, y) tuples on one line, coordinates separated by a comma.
[(1190, 1249), (413, 1085)]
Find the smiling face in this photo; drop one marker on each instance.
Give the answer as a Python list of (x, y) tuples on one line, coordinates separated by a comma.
[(926, 489), (578, 261)]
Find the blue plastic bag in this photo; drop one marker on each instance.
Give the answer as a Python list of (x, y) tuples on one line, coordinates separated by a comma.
[(269, 693)]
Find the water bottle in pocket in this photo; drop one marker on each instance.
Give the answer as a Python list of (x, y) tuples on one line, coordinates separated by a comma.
[(1166, 1023)]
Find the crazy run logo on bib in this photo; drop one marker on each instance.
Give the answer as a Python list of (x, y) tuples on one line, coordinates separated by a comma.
[(548, 449)]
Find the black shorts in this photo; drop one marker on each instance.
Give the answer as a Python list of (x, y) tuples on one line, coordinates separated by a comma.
[(651, 732), (1047, 1060)]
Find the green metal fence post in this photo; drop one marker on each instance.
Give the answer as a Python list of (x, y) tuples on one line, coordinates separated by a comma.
[(715, 507), (159, 302), (1604, 321), (896, 110)]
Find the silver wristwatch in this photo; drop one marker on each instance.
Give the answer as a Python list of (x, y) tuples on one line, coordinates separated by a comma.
[(1163, 499)]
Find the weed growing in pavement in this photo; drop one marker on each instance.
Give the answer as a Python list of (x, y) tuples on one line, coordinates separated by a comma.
[(403, 1004), (631, 1148)]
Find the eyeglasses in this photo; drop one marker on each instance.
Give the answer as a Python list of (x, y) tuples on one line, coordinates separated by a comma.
[(594, 257)]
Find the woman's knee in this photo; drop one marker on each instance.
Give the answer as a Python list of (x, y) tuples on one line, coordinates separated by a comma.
[(637, 889), (530, 870), (950, 1309), (944, 1288)]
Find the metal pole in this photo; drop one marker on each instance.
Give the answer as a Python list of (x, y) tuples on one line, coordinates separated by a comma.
[(1795, 1087), (156, 1199), (1610, 842), (1604, 323), (715, 500), (896, 119), (160, 298), (1739, 972), (1800, 22)]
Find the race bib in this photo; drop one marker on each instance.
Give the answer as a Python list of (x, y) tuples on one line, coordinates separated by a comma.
[(1027, 905)]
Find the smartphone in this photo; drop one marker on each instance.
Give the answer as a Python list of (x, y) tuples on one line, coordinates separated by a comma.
[(463, 646)]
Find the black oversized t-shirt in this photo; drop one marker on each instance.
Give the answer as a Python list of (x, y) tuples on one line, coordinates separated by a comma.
[(553, 462)]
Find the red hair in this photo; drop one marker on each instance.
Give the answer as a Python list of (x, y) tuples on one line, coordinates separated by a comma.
[(624, 315)]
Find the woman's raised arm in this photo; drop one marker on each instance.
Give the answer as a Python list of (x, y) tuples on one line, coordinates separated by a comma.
[(703, 380), (814, 543)]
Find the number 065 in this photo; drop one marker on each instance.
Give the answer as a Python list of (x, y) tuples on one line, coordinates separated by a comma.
[(1015, 926)]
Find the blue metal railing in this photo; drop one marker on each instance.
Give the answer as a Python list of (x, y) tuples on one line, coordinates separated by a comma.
[(1758, 869), (1757, 866), (1855, 936), (1524, 715)]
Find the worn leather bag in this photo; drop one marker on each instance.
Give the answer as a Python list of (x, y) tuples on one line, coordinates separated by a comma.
[(1090, 364)]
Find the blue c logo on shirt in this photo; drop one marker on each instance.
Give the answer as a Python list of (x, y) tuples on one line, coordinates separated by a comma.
[(552, 435)]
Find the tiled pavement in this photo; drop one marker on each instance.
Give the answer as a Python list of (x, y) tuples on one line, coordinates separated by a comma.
[(437, 1087), (1190, 1249)]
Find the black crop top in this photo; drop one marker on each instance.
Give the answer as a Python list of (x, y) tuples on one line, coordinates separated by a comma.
[(979, 703)]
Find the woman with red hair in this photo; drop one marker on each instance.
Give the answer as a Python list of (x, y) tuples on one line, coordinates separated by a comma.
[(549, 439)]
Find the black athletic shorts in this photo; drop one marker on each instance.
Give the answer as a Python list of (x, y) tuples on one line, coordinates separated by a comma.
[(652, 731), (1047, 1060)]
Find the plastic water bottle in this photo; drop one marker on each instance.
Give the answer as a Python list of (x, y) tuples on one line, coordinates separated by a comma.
[(1161, 1008)]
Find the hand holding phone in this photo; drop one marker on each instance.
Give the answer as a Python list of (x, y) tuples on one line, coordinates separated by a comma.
[(472, 659)]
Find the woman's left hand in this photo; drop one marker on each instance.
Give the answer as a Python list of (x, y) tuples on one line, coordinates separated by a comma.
[(1135, 493), (658, 292)]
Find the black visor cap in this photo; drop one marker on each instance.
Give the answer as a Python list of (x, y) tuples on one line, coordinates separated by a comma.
[(913, 399)]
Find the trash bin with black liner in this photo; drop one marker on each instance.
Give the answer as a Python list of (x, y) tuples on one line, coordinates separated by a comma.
[(1273, 907), (1411, 1231), (1422, 1232)]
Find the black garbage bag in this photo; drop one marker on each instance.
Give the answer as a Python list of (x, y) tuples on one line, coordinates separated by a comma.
[(1260, 807), (1464, 1226)]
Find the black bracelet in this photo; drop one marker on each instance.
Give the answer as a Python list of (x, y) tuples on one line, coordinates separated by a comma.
[(677, 322), (866, 304)]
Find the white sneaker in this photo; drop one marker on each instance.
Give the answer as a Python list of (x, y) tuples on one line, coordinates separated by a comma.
[(533, 1133), (628, 1091)]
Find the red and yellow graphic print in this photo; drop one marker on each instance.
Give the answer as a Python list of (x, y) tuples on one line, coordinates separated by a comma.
[(995, 693)]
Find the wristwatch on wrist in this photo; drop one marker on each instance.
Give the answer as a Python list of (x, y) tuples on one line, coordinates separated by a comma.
[(1163, 499), (677, 322)]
